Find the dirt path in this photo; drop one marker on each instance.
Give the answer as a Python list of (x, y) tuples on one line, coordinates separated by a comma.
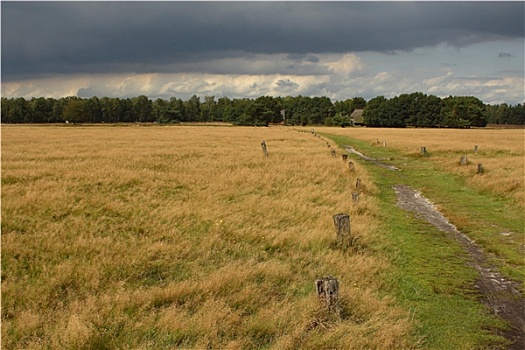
[(350, 149), (499, 294)]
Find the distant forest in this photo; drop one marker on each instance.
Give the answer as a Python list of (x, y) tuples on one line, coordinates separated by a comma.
[(416, 109)]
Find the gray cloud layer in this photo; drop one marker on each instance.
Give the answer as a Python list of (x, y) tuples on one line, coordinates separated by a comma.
[(41, 38)]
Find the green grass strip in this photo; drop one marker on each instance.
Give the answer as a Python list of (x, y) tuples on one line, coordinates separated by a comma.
[(430, 274)]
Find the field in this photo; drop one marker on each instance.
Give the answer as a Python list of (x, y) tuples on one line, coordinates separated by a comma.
[(161, 237), (500, 151), (137, 237)]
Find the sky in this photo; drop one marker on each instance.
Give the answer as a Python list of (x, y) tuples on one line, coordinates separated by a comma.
[(249, 49)]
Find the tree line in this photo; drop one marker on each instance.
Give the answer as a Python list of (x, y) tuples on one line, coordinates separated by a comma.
[(416, 109), (420, 110)]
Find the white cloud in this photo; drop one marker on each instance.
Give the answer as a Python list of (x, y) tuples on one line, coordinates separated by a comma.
[(337, 76), (439, 80), (346, 64)]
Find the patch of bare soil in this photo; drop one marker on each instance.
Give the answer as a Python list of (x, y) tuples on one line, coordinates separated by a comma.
[(499, 294), (378, 162)]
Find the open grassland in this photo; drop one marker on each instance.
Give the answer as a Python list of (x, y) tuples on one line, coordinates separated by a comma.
[(487, 207), (187, 237), (500, 151), (427, 264)]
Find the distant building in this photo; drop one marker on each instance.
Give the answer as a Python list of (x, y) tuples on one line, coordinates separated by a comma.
[(357, 117)]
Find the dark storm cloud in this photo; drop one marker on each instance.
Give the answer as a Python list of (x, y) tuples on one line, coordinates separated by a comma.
[(286, 85), (41, 38)]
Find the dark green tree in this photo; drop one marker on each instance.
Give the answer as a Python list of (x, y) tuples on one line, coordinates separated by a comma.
[(75, 111), (358, 103), (41, 110), (517, 115), (224, 109), (345, 107), (177, 111), (463, 112), (375, 112), (209, 109), (7, 110), (93, 109), (21, 111), (193, 109), (142, 108)]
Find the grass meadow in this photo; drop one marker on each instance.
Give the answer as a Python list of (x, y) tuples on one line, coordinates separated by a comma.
[(487, 207), (430, 269), (129, 237), (500, 151)]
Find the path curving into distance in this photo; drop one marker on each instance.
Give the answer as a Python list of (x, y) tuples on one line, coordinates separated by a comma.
[(501, 295)]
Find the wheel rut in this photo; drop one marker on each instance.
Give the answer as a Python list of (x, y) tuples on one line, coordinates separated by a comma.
[(500, 295)]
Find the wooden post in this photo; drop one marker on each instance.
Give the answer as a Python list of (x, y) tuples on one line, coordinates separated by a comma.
[(328, 292), (342, 227), (463, 160), (345, 157), (264, 149), (480, 169)]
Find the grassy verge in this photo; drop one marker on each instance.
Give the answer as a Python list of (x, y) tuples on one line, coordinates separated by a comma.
[(432, 278)]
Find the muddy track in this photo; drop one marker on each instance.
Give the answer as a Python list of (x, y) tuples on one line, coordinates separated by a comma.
[(377, 162), (500, 295)]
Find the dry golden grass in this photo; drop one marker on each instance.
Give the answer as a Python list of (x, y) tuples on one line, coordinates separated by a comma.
[(500, 151), (187, 237)]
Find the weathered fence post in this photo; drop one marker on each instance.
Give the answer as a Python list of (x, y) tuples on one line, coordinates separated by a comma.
[(264, 149), (463, 160), (342, 226), (328, 292), (480, 169), (345, 157)]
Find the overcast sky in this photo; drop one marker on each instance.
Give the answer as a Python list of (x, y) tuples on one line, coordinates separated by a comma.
[(249, 49)]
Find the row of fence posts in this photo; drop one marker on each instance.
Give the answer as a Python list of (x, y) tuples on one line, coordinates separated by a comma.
[(462, 161), (327, 288)]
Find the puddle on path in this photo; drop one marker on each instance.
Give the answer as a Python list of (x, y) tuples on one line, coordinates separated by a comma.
[(499, 294)]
